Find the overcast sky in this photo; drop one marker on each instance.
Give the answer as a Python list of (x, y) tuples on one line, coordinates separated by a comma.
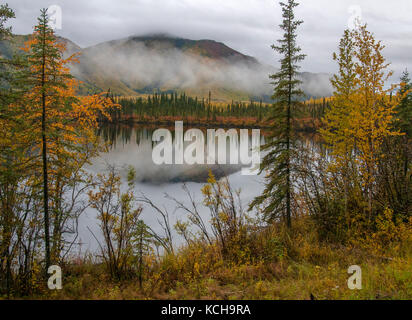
[(249, 26)]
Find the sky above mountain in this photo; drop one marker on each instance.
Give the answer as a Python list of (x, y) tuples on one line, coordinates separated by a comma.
[(248, 26)]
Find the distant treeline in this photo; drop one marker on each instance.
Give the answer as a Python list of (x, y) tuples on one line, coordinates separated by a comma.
[(159, 106)]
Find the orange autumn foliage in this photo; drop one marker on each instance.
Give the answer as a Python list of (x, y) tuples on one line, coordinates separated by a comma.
[(62, 125)]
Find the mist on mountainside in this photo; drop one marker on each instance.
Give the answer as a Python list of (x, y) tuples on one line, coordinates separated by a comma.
[(144, 64), (139, 65)]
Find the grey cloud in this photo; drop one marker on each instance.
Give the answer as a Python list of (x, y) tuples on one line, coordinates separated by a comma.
[(249, 26)]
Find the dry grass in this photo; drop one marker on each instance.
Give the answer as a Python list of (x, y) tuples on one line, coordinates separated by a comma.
[(281, 267)]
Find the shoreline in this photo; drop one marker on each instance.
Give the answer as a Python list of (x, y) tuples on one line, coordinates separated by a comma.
[(302, 126)]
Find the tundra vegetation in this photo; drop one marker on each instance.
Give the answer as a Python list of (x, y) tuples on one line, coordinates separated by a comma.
[(324, 208)]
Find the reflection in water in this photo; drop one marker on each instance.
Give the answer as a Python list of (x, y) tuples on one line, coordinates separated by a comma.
[(133, 146)]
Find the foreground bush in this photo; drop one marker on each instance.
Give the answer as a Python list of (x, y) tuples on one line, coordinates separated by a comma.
[(275, 265)]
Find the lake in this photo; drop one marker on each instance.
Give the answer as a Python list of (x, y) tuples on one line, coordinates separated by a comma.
[(132, 145)]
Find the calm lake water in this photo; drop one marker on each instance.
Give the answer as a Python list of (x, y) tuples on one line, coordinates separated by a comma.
[(133, 146)]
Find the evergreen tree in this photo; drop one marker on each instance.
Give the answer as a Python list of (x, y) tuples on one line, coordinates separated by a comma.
[(402, 146), (404, 110), (278, 193), (6, 13)]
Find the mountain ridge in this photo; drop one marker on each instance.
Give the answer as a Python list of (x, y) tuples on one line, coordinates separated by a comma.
[(143, 64)]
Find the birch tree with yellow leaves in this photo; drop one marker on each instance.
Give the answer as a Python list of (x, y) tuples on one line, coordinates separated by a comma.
[(362, 114), (337, 120), (373, 115)]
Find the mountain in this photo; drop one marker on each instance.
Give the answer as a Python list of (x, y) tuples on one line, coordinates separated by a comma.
[(159, 62), (205, 48), (139, 65), (10, 47)]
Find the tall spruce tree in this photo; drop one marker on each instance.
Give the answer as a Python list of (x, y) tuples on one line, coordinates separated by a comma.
[(277, 197), (404, 124), (404, 110)]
